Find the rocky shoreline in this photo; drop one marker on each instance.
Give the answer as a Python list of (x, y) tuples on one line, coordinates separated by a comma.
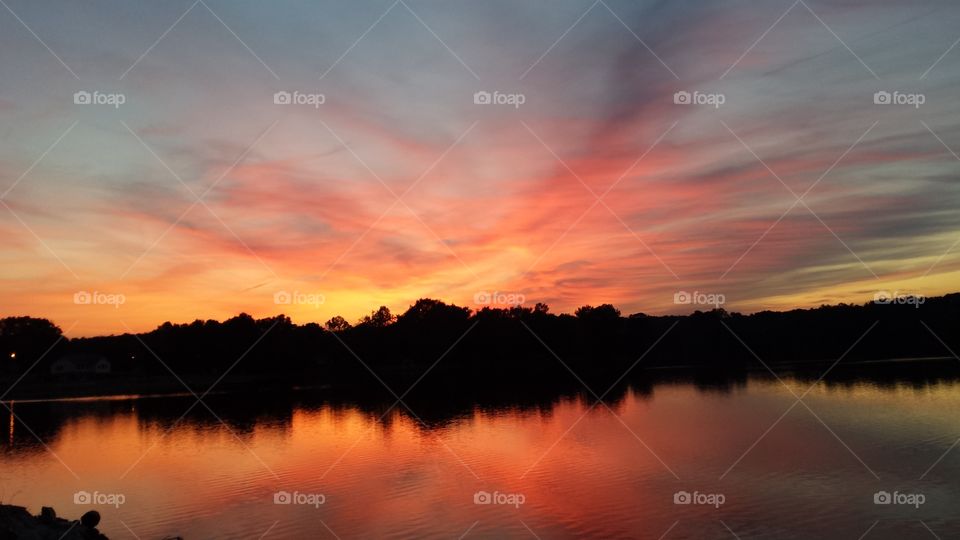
[(16, 523)]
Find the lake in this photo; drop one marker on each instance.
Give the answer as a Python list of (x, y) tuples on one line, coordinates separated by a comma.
[(675, 459)]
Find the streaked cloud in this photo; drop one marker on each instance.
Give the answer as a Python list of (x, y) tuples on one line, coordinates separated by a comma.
[(493, 197)]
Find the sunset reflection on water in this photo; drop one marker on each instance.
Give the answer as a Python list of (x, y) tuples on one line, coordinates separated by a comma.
[(581, 471)]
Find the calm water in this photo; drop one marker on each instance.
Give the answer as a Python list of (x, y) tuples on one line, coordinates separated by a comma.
[(581, 471)]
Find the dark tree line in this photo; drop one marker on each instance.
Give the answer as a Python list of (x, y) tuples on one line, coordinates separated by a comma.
[(515, 346)]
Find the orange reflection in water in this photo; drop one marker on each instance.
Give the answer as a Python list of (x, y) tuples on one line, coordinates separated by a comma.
[(581, 470)]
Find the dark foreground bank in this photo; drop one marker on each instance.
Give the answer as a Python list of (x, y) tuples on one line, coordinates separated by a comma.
[(16, 523)]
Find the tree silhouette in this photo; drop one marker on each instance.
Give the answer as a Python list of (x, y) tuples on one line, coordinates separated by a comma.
[(491, 346), (379, 318), (429, 311), (24, 339), (337, 324)]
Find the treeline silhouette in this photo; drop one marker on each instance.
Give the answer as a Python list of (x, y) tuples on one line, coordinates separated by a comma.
[(504, 349)]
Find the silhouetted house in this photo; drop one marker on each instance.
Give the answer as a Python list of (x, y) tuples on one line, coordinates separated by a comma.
[(80, 365)]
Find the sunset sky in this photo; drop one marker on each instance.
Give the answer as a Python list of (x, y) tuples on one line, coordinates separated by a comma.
[(398, 186)]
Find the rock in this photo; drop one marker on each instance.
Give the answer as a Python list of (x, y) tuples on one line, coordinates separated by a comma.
[(48, 515), (16, 523), (90, 519)]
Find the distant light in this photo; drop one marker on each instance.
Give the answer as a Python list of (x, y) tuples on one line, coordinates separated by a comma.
[(13, 355)]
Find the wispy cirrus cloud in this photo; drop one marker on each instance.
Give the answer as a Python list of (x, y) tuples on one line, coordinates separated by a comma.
[(499, 196)]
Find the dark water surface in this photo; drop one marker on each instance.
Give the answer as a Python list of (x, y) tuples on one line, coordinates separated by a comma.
[(770, 466)]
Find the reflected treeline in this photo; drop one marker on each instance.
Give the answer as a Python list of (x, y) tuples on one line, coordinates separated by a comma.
[(433, 404), (914, 374)]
